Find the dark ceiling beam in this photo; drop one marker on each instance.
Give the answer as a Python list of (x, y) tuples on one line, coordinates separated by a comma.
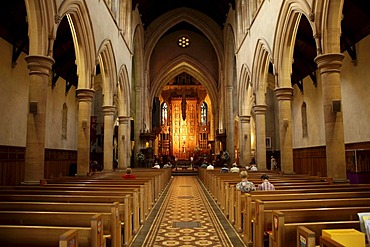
[(17, 51)]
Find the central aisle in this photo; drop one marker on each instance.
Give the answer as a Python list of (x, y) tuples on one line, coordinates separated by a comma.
[(188, 217)]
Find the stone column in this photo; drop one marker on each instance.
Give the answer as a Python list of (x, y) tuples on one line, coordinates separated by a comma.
[(108, 112), (39, 70), (245, 140), (230, 131), (138, 120), (84, 97), (123, 142), (260, 112), (284, 96), (329, 66)]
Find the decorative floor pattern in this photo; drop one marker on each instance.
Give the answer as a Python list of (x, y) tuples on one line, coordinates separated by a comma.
[(186, 218)]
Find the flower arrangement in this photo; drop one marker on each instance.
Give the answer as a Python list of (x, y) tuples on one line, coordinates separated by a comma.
[(225, 156), (140, 156)]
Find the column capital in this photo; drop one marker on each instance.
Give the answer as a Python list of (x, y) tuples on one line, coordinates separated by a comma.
[(39, 64), (330, 62), (109, 110), (85, 94), (284, 93), (245, 119), (259, 109), (123, 119)]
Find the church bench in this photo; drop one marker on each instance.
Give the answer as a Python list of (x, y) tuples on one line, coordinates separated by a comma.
[(48, 236), (237, 199), (305, 237), (284, 233), (125, 200), (106, 208), (338, 212), (137, 201), (109, 222), (303, 200)]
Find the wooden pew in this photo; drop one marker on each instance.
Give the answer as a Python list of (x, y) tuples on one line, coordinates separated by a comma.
[(106, 208), (127, 212), (47, 236), (284, 223), (111, 224), (136, 203), (308, 210), (279, 201), (68, 239), (305, 237)]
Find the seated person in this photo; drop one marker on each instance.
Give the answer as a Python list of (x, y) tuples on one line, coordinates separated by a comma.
[(210, 167), (265, 185), (167, 165), (128, 174), (235, 168), (245, 185), (224, 168), (156, 166), (204, 165), (254, 167)]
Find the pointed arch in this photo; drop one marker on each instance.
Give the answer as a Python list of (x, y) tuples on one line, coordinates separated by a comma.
[(40, 19), (243, 92), (83, 38), (285, 35), (184, 63), (262, 58), (330, 26), (107, 63), (199, 20), (123, 92)]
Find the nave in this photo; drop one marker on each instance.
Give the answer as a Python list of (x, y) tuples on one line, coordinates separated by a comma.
[(186, 215)]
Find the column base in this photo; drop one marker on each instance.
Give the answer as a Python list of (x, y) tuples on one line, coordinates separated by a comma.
[(288, 173), (31, 183), (340, 181)]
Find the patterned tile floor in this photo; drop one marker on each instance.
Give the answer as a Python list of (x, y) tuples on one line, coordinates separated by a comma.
[(186, 217)]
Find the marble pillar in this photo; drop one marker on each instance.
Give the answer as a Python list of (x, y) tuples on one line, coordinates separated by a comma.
[(84, 97), (260, 113), (329, 67), (39, 71), (284, 97), (108, 112)]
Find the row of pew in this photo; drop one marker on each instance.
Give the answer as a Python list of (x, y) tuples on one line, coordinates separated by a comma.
[(97, 211), (307, 203)]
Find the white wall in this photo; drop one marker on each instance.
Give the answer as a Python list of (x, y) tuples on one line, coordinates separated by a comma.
[(14, 88), (355, 88)]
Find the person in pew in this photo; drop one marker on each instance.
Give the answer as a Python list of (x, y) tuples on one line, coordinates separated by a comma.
[(245, 185), (210, 167), (128, 174), (156, 166), (265, 185), (204, 165), (235, 168), (224, 168)]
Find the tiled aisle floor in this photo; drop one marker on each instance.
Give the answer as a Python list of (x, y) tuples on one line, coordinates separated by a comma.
[(187, 218)]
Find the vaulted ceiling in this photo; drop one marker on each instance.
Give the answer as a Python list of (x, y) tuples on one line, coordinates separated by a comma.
[(14, 29)]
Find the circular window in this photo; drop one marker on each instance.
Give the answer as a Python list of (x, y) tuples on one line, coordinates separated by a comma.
[(183, 41)]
